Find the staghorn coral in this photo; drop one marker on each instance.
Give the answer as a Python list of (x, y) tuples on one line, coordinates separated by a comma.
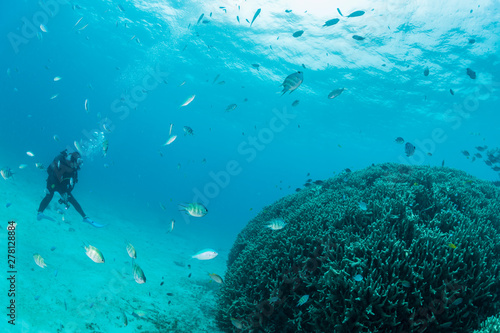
[(427, 247), (490, 325)]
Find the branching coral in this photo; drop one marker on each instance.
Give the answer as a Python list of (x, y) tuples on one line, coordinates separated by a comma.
[(423, 255)]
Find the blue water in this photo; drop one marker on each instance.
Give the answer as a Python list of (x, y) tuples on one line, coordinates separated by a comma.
[(110, 63)]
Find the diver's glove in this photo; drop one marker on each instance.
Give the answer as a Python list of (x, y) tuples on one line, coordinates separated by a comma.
[(87, 219)]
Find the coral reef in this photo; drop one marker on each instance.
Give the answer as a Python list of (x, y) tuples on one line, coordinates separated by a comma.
[(391, 248), (490, 325)]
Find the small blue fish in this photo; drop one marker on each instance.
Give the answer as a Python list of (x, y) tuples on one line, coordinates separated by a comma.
[(303, 300), (273, 299), (357, 277), (201, 18), (298, 33), (356, 13), (255, 16), (471, 73), (331, 22)]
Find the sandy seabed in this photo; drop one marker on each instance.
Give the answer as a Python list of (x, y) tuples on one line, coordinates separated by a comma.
[(74, 294)]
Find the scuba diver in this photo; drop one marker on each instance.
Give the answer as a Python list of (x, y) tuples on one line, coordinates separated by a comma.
[(63, 175)]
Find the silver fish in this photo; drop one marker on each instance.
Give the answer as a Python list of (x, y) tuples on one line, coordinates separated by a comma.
[(172, 223), (292, 82)]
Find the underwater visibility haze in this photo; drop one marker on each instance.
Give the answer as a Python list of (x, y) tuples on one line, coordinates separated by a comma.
[(250, 166)]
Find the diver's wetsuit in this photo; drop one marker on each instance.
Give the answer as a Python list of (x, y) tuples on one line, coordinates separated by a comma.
[(62, 178)]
